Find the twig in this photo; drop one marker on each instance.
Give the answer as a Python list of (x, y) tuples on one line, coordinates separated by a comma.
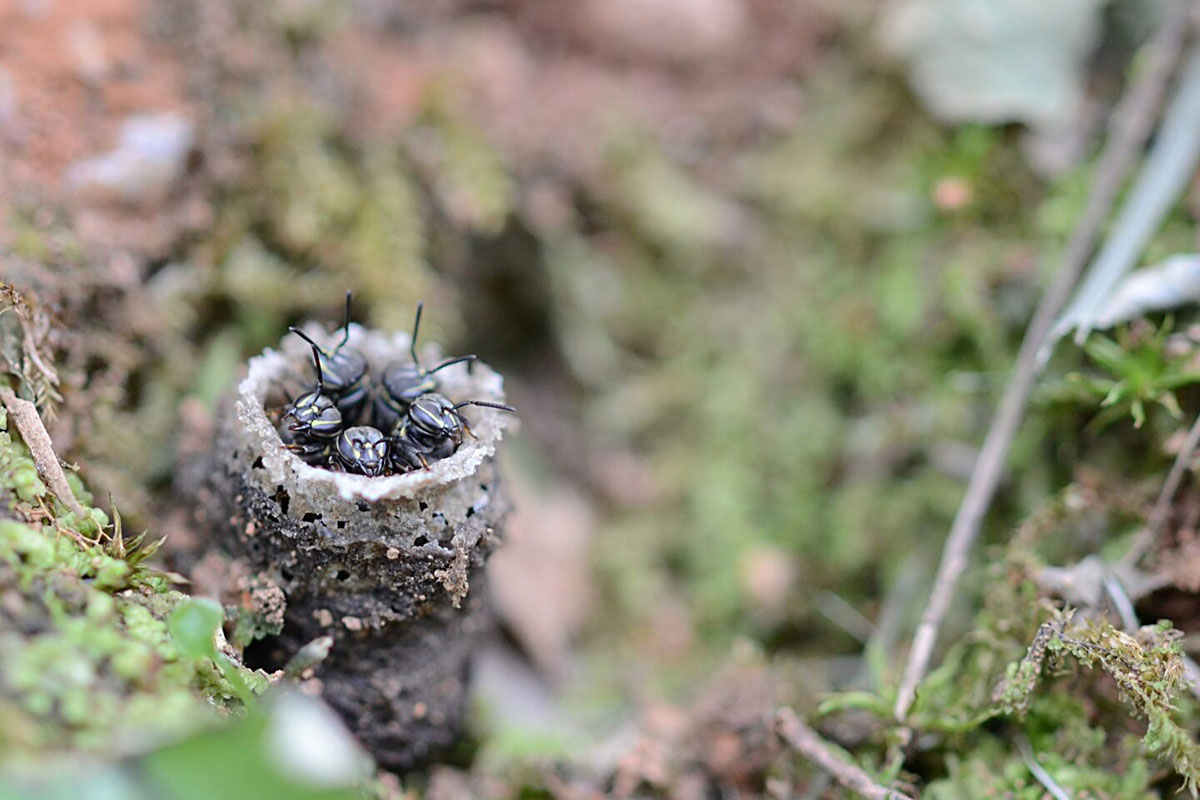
[(1121, 602), (1039, 772), (29, 425), (1162, 506), (835, 609), (31, 350), (805, 741), (1129, 129)]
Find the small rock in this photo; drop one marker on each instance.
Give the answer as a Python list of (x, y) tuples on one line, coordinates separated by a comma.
[(673, 31), (149, 159)]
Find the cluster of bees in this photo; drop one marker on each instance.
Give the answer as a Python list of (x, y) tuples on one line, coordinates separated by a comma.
[(412, 423)]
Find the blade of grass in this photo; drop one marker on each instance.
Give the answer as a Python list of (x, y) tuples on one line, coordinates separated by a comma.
[(1167, 172), (1130, 127)]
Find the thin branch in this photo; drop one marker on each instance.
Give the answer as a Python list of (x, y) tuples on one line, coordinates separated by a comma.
[(1130, 127), (1162, 506), (805, 741), (835, 609), (29, 425), (1121, 602), (1039, 772)]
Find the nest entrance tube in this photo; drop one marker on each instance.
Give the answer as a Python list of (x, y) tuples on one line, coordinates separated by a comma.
[(390, 567)]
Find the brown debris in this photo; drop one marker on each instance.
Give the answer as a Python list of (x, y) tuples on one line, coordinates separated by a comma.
[(805, 741), (74, 71)]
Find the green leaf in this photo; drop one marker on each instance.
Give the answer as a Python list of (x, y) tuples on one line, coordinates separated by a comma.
[(193, 626), (859, 701)]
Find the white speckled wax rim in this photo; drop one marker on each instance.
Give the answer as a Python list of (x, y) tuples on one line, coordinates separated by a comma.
[(283, 467)]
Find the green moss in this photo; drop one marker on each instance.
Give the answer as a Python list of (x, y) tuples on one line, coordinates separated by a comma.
[(85, 656), (469, 178), (832, 337)]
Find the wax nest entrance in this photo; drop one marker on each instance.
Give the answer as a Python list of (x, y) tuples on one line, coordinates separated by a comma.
[(390, 567)]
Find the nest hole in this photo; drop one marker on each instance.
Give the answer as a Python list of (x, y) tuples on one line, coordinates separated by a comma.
[(282, 497), (341, 523), (258, 463), (342, 575), (420, 541), (266, 654), (310, 517)]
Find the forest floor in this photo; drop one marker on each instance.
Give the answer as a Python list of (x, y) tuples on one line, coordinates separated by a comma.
[(757, 307)]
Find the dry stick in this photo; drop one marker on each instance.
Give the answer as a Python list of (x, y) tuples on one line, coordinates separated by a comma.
[(29, 425), (31, 351), (804, 740), (1162, 506), (1039, 772), (1131, 124)]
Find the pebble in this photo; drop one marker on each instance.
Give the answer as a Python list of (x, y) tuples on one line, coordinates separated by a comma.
[(150, 157)]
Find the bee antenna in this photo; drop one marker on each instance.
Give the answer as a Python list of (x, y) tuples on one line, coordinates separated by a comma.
[(346, 325), (450, 361), (500, 406), (412, 344), (302, 335), (317, 364)]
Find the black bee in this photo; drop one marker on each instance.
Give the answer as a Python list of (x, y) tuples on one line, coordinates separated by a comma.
[(362, 450), (430, 430), (403, 382), (345, 371), (316, 421)]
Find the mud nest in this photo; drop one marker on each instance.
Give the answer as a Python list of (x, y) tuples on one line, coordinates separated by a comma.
[(390, 567)]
